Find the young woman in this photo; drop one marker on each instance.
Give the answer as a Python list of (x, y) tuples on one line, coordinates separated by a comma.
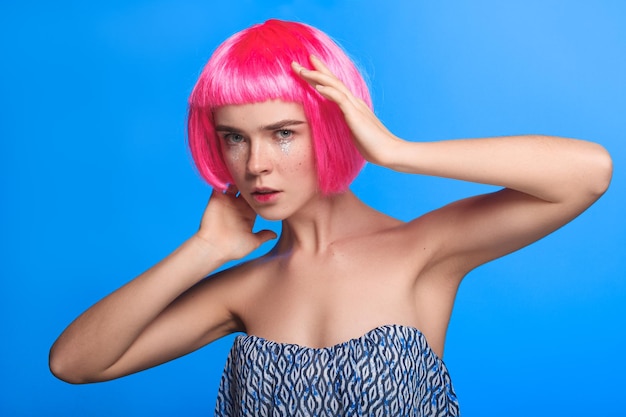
[(347, 314)]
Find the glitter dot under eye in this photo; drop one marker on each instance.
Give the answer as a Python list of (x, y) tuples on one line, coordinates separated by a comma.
[(285, 146)]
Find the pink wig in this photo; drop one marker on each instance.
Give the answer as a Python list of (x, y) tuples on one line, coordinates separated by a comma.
[(253, 66)]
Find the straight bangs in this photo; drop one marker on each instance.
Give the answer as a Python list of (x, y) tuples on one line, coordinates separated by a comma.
[(254, 66)]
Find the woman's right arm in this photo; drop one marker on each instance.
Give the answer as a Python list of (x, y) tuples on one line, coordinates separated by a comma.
[(167, 311)]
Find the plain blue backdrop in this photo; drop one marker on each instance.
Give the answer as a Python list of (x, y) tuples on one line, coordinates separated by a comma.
[(97, 183)]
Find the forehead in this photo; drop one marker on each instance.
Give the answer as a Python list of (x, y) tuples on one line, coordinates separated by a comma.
[(254, 115)]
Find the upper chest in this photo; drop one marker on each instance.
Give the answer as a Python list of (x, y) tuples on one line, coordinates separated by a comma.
[(341, 294)]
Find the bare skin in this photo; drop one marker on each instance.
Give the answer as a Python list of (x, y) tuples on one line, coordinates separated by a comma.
[(340, 268)]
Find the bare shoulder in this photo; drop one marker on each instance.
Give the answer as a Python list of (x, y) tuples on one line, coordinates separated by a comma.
[(415, 249), (390, 246), (413, 240), (424, 243)]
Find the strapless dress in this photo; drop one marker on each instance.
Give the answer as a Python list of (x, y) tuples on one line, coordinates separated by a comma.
[(389, 371)]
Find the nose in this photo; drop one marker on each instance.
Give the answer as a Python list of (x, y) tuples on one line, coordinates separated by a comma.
[(259, 159)]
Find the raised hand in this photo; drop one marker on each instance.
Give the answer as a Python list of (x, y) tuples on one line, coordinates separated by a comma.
[(371, 137), (227, 225)]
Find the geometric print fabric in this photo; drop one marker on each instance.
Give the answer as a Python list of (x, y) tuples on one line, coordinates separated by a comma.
[(389, 371)]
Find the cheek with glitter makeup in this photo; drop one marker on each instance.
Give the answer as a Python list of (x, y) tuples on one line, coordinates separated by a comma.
[(285, 146), (234, 153)]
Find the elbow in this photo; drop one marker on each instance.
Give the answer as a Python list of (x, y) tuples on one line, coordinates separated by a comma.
[(587, 177), (62, 372), (61, 366), (600, 171)]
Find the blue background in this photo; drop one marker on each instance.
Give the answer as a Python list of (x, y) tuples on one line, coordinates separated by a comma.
[(97, 184)]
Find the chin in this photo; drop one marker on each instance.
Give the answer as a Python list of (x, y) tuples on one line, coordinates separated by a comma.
[(272, 215), (271, 218)]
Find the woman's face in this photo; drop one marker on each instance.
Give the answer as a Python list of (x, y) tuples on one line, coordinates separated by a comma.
[(268, 150)]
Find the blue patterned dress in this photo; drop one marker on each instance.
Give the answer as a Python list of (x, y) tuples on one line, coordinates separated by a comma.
[(389, 371)]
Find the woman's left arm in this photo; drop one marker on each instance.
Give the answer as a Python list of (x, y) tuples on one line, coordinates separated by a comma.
[(547, 180), (553, 169)]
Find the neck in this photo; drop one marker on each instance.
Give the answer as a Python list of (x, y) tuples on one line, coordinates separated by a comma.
[(321, 223)]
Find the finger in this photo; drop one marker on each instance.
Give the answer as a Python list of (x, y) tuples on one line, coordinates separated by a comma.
[(344, 101), (232, 190), (316, 78), (266, 235), (302, 72), (319, 65), (323, 77)]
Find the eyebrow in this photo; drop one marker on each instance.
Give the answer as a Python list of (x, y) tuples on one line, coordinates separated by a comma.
[(274, 126), (283, 123)]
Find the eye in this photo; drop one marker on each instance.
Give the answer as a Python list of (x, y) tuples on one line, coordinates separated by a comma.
[(284, 134), (233, 138)]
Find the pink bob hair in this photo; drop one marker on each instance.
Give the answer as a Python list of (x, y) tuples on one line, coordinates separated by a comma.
[(253, 66)]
